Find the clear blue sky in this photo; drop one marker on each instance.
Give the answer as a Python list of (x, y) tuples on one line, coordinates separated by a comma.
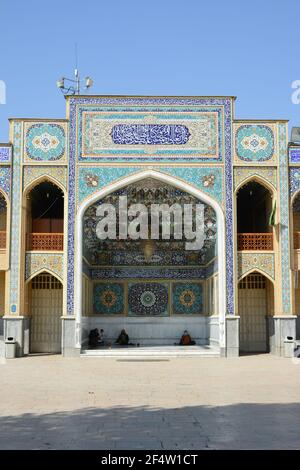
[(160, 47)]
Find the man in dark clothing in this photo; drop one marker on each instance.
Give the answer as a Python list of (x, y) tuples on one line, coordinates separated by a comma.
[(94, 338), (123, 338)]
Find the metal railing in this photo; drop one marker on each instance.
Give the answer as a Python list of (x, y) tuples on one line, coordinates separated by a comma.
[(45, 241), (2, 240), (297, 240), (255, 241)]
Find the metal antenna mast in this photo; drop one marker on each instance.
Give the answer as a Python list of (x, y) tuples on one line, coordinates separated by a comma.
[(69, 86)]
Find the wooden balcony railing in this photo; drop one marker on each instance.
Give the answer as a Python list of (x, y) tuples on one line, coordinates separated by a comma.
[(2, 240), (45, 241), (297, 240), (255, 241)]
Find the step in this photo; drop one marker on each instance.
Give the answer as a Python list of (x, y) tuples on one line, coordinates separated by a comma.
[(153, 351)]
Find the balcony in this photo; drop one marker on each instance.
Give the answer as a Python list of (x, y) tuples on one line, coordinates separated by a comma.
[(255, 241), (2, 240), (297, 240), (4, 261), (45, 242)]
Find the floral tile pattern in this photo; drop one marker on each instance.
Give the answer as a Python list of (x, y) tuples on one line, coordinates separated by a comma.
[(45, 141), (294, 178), (248, 261), (294, 155), (254, 142), (187, 298), (5, 179), (36, 262), (58, 173), (241, 174), (148, 299), (108, 298)]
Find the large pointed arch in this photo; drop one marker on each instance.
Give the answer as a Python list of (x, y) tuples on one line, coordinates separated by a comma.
[(173, 181)]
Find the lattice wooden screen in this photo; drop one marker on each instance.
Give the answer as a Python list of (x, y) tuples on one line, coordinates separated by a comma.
[(45, 281), (253, 281)]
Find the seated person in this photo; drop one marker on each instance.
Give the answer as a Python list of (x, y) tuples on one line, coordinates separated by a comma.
[(186, 340), (101, 336), (94, 338), (123, 338)]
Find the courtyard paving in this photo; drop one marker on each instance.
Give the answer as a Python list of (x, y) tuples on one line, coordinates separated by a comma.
[(50, 402)]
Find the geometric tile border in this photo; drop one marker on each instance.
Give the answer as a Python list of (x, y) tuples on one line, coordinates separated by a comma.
[(15, 222), (284, 219)]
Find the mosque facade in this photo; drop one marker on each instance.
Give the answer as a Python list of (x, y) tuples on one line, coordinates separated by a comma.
[(238, 292)]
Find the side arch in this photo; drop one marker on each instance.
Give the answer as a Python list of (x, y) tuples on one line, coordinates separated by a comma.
[(42, 179), (5, 196), (255, 307), (257, 179), (259, 271), (41, 271), (45, 308), (294, 196)]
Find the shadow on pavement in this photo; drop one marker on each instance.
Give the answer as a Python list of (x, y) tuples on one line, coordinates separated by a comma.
[(241, 426)]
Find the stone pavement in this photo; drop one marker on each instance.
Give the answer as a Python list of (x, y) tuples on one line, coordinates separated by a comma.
[(48, 402)]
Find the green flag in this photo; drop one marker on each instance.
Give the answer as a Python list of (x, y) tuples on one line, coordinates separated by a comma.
[(272, 216)]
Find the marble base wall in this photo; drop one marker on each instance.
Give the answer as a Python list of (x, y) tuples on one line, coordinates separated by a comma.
[(85, 329), (69, 337), (279, 327), (232, 332), (19, 329), (214, 330), (154, 331)]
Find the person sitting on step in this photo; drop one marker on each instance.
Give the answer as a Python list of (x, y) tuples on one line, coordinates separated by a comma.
[(123, 338), (101, 337), (186, 339), (94, 338)]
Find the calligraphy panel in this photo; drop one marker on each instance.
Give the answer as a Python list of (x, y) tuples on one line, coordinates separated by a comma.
[(187, 135)]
